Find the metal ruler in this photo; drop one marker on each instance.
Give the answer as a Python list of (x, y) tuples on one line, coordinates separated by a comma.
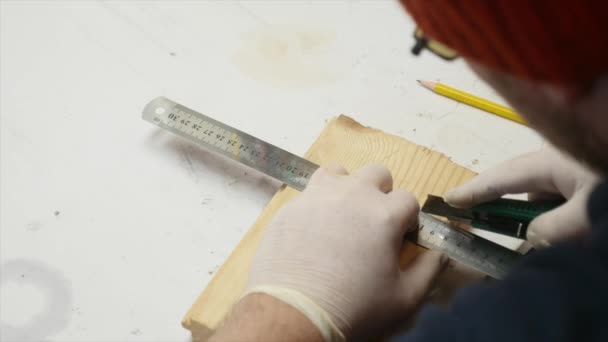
[(459, 245)]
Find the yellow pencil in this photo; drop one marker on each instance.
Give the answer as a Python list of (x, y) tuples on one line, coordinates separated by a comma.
[(474, 101)]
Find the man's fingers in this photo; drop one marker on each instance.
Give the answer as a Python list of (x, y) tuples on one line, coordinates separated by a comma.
[(326, 171), (421, 274), (377, 175), (404, 208), (564, 222), (528, 173), (335, 168)]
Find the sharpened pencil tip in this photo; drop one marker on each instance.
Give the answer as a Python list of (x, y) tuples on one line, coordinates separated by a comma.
[(427, 84)]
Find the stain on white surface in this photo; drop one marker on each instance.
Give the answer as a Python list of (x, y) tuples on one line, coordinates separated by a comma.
[(33, 226), (36, 301), (288, 56)]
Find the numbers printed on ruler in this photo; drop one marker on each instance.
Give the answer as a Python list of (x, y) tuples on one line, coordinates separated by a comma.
[(227, 141), (464, 247), (205, 131)]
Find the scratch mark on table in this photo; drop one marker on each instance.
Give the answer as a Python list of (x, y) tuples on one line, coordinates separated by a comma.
[(425, 115), (130, 22), (249, 12), (186, 156), (33, 226)]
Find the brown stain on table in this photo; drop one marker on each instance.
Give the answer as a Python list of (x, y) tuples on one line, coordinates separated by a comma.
[(287, 56)]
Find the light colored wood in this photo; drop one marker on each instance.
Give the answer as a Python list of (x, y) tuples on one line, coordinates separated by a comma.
[(343, 141)]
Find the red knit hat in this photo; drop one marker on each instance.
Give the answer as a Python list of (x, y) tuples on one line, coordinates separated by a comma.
[(562, 42)]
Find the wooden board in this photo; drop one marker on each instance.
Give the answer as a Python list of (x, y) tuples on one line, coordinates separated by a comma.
[(344, 141)]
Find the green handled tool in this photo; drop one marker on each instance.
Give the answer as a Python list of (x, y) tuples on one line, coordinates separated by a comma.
[(504, 216)]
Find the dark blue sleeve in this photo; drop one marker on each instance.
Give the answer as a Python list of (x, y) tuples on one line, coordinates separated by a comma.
[(557, 294)]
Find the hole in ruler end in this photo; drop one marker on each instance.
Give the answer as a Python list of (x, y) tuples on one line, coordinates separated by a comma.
[(158, 106)]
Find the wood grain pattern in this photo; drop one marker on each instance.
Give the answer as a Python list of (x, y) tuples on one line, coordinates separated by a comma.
[(343, 141)]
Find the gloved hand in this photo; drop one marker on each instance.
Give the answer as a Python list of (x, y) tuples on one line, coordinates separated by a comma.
[(540, 174), (334, 253)]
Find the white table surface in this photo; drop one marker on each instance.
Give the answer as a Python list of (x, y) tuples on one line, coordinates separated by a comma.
[(110, 228)]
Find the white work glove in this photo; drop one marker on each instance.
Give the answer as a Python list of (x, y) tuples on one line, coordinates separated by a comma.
[(333, 253), (541, 174)]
